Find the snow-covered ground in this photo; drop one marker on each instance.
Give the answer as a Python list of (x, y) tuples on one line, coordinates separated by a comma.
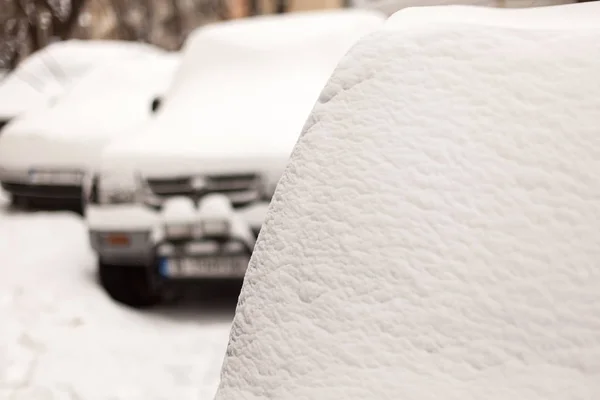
[(62, 338)]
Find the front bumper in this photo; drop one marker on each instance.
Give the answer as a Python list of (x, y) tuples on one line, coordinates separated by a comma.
[(123, 247), (202, 260), (28, 183), (132, 234)]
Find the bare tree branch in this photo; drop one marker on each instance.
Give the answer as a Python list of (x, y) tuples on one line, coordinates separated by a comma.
[(29, 25)]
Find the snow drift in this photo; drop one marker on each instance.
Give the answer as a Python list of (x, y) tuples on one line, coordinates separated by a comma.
[(435, 234)]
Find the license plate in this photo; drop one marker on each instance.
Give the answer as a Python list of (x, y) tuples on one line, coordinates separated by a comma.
[(54, 178), (204, 267)]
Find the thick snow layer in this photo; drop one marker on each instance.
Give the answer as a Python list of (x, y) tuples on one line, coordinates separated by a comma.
[(110, 102), (268, 31), (239, 107), (138, 217), (47, 73), (179, 209), (552, 17), (61, 337), (434, 235), (391, 6), (215, 205)]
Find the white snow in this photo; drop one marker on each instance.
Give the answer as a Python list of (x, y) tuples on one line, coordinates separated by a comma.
[(118, 217), (61, 337), (551, 17), (216, 210), (435, 233), (271, 31), (179, 209), (110, 102), (45, 74), (215, 205), (391, 6), (240, 106)]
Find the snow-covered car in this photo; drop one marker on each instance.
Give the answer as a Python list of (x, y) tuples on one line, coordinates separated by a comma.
[(45, 153), (45, 74), (435, 235), (185, 198)]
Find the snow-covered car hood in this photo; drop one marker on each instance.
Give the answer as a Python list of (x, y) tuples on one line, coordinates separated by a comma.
[(44, 75), (110, 102), (240, 109), (435, 233), (234, 128)]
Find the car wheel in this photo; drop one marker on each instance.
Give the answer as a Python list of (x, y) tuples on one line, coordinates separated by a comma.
[(129, 285)]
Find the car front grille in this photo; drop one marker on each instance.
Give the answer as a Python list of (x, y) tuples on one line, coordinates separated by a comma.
[(240, 188)]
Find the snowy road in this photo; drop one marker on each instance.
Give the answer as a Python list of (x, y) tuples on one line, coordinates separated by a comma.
[(61, 338)]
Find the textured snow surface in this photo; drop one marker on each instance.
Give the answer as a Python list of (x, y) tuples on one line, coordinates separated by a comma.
[(110, 102), (435, 233), (390, 6), (62, 338), (241, 106), (48, 72), (553, 17)]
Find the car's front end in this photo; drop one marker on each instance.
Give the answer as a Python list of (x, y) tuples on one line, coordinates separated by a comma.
[(176, 230), (44, 155), (35, 169), (124, 214)]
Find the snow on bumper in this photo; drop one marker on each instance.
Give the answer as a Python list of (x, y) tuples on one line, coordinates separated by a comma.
[(135, 234)]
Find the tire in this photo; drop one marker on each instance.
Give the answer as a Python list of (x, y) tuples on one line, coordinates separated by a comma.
[(129, 285)]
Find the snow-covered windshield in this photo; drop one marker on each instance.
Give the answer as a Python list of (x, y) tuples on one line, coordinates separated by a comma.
[(121, 77), (46, 74)]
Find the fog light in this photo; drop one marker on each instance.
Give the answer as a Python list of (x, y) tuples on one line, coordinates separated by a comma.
[(117, 239)]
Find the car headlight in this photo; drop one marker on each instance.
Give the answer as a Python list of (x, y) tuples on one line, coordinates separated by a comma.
[(118, 189)]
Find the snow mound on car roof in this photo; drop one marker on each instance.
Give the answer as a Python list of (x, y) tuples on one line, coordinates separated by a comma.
[(268, 31), (237, 100), (435, 233)]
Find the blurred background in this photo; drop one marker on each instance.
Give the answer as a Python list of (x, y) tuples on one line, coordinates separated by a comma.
[(29, 25)]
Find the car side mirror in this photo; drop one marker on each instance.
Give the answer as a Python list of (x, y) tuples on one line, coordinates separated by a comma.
[(156, 104)]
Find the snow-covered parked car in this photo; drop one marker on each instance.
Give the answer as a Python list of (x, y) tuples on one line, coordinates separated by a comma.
[(435, 235), (44, 75), (45, 153), (185, 198)]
